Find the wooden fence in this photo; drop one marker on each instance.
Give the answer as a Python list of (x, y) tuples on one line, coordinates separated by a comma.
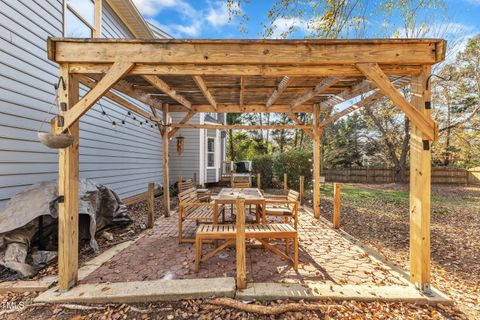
[(440, 175)]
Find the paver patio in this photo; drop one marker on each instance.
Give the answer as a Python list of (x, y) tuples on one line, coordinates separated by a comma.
[(325, 257)]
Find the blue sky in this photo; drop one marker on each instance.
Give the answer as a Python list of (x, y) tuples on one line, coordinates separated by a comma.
[(210, 19)]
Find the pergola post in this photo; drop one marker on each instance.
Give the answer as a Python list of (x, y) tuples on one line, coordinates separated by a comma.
[(166, 175), (316, 161), (420, 179), (68, 173)]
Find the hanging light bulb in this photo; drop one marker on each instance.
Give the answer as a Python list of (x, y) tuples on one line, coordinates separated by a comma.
[(129, 113), (114, 124), (146, 121), (123, 121), (141, 123), (104, 113)]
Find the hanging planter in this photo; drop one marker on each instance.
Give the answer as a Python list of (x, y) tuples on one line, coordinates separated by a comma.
[(180, 145), (55, 140)]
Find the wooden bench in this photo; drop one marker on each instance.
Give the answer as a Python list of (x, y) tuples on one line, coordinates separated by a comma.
[(260, 232), (191, 208), (282, 206)]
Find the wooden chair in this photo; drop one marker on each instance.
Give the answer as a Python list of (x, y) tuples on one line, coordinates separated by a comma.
[(203, 194), (241, 185), (191, 208), (282, 206), (260, 232)]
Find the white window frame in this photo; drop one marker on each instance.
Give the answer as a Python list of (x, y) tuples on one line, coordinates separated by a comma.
[(212, 152), (95, 29)]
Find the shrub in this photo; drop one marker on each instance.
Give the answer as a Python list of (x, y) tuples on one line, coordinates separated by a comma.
[(263, 164), (294, 163)]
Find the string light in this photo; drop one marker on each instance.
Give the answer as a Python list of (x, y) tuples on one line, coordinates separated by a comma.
[(104, 113), (114, 124)]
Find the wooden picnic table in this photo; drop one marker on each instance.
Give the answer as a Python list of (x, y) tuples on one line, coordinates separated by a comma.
[(252, 196)]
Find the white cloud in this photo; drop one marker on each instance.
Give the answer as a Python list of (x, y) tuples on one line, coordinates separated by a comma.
[(282, 26), (191, 22), (218, 14)]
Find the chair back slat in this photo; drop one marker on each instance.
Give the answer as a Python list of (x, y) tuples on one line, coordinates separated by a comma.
[(241, 185), (188, 196), (186, 185), (292, 196)]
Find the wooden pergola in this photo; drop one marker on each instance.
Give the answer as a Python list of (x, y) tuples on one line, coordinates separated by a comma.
[(232, 76)]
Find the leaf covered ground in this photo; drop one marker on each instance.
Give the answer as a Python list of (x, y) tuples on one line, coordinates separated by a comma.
[(378, 215)]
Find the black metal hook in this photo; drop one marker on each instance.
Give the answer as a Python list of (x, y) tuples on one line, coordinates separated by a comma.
[(436, 75), (64, 86)]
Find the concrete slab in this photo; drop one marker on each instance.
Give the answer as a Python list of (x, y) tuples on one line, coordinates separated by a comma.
[(142, 291), (28, 285), (274, 291)]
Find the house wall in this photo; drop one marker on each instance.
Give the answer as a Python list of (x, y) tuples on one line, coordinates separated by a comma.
[(125, 159), (189, 162)]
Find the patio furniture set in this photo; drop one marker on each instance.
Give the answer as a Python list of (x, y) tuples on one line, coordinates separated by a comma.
[(211, 229)]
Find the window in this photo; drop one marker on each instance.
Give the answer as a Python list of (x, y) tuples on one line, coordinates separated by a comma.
[(79, 18), (211, 152)]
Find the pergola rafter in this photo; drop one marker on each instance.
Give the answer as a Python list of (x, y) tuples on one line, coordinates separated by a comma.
[(326, 72)]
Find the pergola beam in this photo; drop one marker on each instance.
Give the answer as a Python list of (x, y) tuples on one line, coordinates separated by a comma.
[(239, 127), (373, 72), (271, 70), (254, 52), (236, 108), (310, 94), (278, 91), (161, 85), (242, 92), (206, 93)]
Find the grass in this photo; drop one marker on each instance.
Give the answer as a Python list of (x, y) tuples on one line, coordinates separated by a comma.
[(365, 194)]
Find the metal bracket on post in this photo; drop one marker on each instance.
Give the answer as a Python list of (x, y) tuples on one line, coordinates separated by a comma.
[(428, 105), (426, 145), (61, 199)]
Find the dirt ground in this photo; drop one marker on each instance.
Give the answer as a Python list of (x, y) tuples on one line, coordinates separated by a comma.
[(375, 214), (378, 215)]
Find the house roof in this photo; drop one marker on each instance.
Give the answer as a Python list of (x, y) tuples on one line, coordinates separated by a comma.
[(133, 19)]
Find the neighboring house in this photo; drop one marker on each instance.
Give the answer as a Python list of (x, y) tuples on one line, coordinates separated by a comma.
[(123, 157)]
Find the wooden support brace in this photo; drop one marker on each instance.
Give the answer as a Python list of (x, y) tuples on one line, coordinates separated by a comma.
[(240, 245), (336, 205), (308, 131), (121, 101), (373, 72), (185, 119), (116, 72)]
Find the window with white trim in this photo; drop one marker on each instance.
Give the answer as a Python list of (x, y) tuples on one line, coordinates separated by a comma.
[(210, 152), (79, 18)]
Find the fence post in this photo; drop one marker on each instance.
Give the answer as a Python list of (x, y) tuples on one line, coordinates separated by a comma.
[(259, 186), (150, 202), (240, 245), (285, 187), (336, 205), (302, 189)]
